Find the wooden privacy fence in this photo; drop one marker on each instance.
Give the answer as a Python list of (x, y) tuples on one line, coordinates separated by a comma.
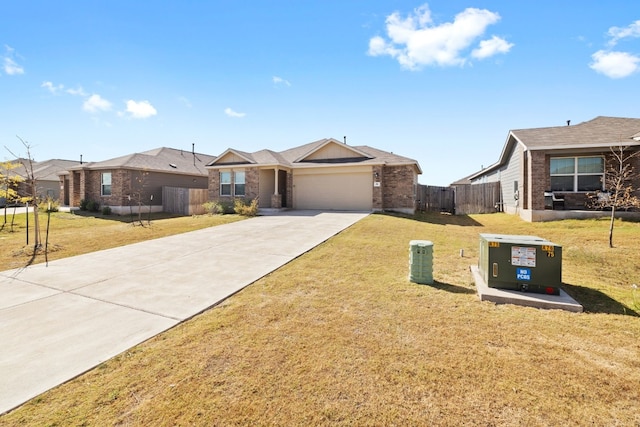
[(478, 198), (461, 199), (436, 199), (184, 201)]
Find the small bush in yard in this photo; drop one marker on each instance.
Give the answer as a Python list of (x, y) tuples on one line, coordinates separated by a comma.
[(106, 210), (242, 208), (213, 208), (49, 204), (218, 207), (93, 206), (83, 204)]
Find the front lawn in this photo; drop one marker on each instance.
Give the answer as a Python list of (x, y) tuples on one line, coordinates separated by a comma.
[(341, 337), (83, 232)]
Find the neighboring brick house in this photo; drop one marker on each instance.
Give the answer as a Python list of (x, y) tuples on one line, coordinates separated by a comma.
[(137, 179), (563, 163), (46, 174), (325, 174)]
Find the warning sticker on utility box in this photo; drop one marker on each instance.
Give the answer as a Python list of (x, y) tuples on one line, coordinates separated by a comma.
[(525, 257)]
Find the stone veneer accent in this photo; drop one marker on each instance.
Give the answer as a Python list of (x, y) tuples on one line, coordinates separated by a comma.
[(276, 201)]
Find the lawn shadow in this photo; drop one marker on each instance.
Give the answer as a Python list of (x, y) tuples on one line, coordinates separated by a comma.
[(134, 218), (594, 301), (440, 218), (454, 289)]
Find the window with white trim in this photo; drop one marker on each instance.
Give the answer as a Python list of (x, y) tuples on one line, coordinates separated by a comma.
[(105, 184), (577, 173), (225, 183), (238, 183)]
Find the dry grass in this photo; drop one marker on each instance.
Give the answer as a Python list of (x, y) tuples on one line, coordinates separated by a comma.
[(340, 337), (75, 234)]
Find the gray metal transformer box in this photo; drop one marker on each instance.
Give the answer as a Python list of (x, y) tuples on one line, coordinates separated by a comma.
[(523, 263)]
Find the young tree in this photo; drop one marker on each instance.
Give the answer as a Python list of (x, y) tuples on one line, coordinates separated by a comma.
[(620, 185), (32, 189), (139, 193), (9, 185)]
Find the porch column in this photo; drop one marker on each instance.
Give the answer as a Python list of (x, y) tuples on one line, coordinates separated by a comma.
[(276, 198), (276, 187)]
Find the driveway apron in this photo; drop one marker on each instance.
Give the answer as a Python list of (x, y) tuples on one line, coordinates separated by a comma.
[(60, 320)]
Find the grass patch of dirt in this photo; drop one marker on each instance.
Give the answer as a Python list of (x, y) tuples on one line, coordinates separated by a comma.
[(341, 337)]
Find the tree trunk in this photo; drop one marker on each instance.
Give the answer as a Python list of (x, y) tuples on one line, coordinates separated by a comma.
[(613, 217)]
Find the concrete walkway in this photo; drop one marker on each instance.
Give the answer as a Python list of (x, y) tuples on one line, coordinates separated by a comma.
[(59, 321)]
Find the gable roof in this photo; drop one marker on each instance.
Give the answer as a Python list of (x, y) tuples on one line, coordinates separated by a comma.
[(600, 132), (311, 154), (46, 170), (347, 151), (161, 159)]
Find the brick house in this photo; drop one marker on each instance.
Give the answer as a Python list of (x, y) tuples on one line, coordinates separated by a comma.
[(46, 174), (549, 173), (324, 174), (126, 182)]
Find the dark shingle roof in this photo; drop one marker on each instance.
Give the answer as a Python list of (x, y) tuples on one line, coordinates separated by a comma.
[(599, 133), (602, 130), (363, 154), (161, 159), (46, 170)]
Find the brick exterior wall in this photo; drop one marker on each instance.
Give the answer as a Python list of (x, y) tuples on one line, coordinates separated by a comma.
[(214, 184), (399, 187), (377, 203), (538, 182), (289, 190), (251, 183), (579, 200)]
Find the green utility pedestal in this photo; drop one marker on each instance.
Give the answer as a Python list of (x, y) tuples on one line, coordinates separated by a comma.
[(421, 262)]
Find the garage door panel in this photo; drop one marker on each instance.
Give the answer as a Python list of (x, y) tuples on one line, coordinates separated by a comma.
[(347, 191)]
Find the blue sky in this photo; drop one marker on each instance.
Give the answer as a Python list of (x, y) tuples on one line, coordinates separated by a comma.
[(441, 82)]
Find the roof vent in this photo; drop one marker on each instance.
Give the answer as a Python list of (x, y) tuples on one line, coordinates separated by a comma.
[(173, 165), (568, 122)]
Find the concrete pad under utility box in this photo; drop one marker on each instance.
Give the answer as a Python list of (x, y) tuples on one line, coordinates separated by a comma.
[(503, 296)]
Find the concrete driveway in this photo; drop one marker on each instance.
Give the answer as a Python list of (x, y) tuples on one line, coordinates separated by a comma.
[(59, 321)]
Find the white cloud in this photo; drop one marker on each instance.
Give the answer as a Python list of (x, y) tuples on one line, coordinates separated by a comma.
[(615, 65), (619, 33), (229, 112), (95, 103), (9, 65), (491, 47), (417, 41), (77, 92), (280, 81), (140, 109), (52, 88)]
